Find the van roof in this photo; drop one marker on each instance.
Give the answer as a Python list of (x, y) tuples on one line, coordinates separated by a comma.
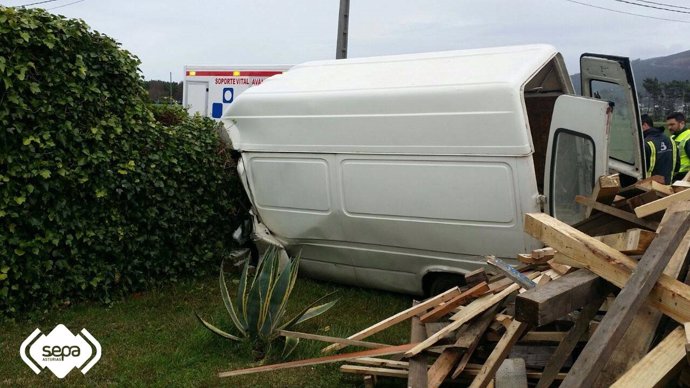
[(453, 102)]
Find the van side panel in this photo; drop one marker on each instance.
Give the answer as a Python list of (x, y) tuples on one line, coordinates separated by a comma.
[(428, 191)]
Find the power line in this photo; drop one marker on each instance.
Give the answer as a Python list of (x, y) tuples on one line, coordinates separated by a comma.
[(36, 3), (628, 13), (65, 5), (664, 4), (651, 6)]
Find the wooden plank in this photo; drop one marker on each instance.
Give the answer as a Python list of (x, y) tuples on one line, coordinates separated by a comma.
[(417, 375), (652, 185), (512, 374), (465, 315), (399, 317), (381, 362), (605, 190), (657, 366), (542, 255), (495, 359), (566, 347), (669, 295), (614, 324), (320, 360), (374, 371), (472, 370), (622, 214), (661, 204), (558, 298), (631, 242), (337, 340), (441, 310), (510, 272), (637, 340), (468, 340)]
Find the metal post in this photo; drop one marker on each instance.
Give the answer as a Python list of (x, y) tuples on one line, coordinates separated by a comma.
[(343, 19)]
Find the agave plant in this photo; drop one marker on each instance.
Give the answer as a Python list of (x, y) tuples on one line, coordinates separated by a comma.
[(261, 302)]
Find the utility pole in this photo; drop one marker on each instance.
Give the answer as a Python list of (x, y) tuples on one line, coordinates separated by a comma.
[(343, 19)]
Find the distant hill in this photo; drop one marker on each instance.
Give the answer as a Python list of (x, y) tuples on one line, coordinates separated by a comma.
[(675, 67)]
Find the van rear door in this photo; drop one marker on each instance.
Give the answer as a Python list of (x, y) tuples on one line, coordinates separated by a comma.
[(576, 155), (610, 78)]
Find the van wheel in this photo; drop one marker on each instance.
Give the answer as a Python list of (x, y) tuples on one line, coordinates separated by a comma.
[(441, 282)]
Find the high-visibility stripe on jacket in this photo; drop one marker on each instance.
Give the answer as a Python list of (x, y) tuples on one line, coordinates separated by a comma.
[(680, 140), (652, 158)]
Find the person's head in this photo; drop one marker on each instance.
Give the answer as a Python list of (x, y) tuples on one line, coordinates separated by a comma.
[(647, 122), (675, 122)]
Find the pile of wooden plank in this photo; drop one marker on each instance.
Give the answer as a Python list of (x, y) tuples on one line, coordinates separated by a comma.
[(601, 305)]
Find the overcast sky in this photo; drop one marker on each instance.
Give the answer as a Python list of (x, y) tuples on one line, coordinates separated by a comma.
[(166, 35)]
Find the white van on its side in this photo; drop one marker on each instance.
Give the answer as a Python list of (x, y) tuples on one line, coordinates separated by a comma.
[(394, 172)]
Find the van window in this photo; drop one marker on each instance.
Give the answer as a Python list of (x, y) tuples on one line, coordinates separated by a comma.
[(572, 174), (621, 144)]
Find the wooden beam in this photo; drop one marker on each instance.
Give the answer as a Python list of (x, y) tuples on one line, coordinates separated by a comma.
[(631, 242), (637, 341), (500, 352), (475, 277), (468, 340), (441, 310), (566, 347), (399, 317), (320, 360), (336, 340), (614, 324), (605, 190), (661, 204), (669, 295), (417, 375), (558, 298), (465, 315), (622, 214), (657, 366)]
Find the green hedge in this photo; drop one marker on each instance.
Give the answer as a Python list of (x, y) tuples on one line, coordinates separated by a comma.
[(98, 198)]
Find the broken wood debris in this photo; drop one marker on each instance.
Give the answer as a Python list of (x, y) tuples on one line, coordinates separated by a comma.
[(592, 326)]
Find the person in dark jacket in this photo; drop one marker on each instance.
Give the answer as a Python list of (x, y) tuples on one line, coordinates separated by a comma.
[(660, 152)]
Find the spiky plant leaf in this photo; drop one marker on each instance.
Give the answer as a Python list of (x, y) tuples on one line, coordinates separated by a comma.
[(267, 292), (279, 296), (289, 346), (260, 286), (228, 303), (242, 293), (317, 311), (217, 330)]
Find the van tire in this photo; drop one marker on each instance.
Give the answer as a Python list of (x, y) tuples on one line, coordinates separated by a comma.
[(441, 282)]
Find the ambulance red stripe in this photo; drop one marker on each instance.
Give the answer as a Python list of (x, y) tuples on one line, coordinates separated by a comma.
[(213, 73)]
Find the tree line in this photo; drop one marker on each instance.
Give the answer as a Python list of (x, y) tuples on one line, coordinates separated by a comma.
[(663, 98), (162, 91)]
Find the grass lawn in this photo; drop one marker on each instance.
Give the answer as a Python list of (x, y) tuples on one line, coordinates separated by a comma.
[(154, 339)]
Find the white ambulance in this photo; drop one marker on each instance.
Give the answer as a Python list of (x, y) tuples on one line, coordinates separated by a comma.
[(210, 90)]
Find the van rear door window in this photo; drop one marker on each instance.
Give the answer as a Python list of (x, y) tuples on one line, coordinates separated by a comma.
[(572, 173), (621, 143)]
